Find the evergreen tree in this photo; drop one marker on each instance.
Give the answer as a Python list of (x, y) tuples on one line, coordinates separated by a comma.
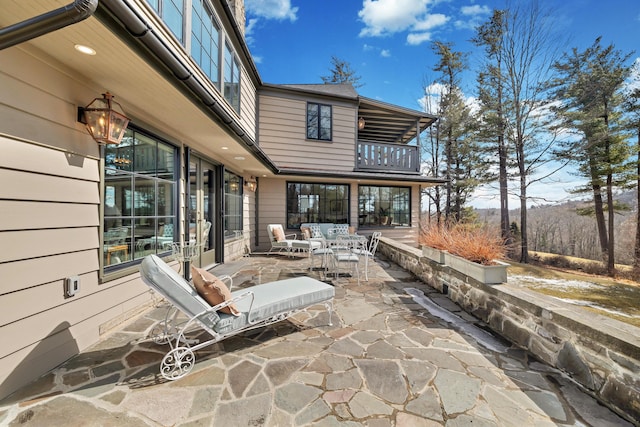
[(341, 72), (491, 87), (587, 90), (455, 129)]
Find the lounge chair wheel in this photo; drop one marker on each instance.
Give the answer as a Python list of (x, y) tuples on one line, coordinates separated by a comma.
[(177, 363)]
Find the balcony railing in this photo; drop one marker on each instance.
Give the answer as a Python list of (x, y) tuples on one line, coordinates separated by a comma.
[(379, 156)]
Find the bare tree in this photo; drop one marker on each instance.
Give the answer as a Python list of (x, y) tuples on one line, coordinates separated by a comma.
[(528, 52)]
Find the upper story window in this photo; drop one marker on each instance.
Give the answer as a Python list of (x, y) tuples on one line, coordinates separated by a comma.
[(384, 206), (232, 205), (172, 13), (205, 41), (140, 182), (231, 78), (318, 121)]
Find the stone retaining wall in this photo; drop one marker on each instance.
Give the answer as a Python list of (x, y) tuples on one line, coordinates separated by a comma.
[(600, 353)]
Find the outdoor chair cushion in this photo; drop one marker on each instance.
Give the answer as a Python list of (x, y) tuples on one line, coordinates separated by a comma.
[(278, 234), (274, 298), (212, 289)]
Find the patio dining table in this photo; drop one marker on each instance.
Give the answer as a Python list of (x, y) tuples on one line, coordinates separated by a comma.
[(342, 246)]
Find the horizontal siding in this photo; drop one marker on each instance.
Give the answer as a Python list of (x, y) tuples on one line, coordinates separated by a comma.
[(282, 136), (59, 339), (49, 205), (33, 272), (248, 104), (36, 186), (17, 215)]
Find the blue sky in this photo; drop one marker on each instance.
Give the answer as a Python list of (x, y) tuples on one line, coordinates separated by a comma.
[(387, 42)]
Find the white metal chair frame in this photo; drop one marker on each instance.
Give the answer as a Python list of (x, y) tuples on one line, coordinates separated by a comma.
[(369, 252), (343, 252)]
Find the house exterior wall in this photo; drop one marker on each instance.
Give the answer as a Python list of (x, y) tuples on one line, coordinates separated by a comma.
[(283, 134), (49, 204), (50, 183), (272, 200)]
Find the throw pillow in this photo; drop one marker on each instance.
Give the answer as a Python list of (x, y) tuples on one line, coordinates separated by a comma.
[(212, 290), (306, 233), (278, 234), (316, 233)]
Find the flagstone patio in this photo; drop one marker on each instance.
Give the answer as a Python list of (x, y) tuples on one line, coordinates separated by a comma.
[(398, 354)]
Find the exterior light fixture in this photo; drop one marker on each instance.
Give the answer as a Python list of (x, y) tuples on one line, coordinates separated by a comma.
[(105, 120), (361, 123), (251, 184)]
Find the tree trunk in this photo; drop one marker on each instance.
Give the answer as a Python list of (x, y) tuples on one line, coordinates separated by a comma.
[(611, 266), (636, 251), (524, 241), (602, 227)]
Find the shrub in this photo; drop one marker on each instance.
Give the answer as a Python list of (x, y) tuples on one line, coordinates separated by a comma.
[(475, 243)]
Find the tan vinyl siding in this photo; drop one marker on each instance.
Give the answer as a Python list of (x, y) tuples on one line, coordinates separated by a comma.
[(49, 205), (247, 104), (283, 136)]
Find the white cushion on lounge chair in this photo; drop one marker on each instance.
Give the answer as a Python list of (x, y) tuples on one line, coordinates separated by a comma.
[(274, 298), (168, 283)]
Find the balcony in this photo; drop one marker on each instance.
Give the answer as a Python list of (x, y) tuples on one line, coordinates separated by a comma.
[(384, 157)]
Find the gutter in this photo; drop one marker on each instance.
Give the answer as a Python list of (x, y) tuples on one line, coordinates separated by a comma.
[(138, 28), (46, 23)]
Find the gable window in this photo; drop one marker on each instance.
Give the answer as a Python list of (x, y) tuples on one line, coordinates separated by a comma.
[(311, 202), (232, 205), (205, 40), (384, 206), (172, 13), (319, 121), (231, 78), (139, 198)]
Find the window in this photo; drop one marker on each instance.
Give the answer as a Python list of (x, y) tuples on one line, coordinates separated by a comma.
[(172, 13), (309, 202), (139, 198), (231, 78), (319, 121), (384, 206), (205, 40), (232, 205)]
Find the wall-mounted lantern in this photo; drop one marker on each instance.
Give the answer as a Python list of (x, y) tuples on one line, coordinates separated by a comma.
[(251, 184), (361, 123), (105, 119)]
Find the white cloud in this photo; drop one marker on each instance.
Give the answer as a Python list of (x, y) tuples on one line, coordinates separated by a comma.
[(383, 17), (475, 15), (272, 9), (430, 22), (475, 10), (385, 53), (418, 38)]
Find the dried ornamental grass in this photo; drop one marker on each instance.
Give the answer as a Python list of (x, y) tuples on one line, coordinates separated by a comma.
[(477, 244)]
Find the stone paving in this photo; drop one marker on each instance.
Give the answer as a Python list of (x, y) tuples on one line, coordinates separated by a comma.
[(398, 354)]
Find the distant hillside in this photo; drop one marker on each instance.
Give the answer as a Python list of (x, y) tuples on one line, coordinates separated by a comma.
[(560, 230)]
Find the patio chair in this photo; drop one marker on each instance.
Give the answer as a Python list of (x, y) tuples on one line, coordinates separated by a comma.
[(369, 252), (343, 254), (279, 240), (253, 307)]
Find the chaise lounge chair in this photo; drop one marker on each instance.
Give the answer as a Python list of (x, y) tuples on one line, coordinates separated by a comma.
[(258, 306)]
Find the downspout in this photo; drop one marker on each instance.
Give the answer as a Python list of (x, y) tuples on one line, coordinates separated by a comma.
[(46, 23)]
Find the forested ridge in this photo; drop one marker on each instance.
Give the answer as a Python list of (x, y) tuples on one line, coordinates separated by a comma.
[(560, 229)]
